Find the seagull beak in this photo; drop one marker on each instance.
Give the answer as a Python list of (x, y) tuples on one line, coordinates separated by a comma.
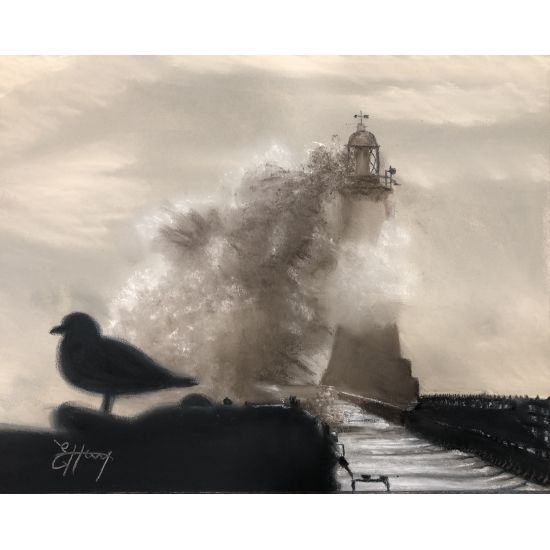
[(60, 329)]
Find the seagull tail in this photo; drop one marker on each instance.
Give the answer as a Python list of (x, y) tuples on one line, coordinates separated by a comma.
[(184, 381)]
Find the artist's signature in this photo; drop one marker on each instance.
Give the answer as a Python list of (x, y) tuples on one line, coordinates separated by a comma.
[(69, 458)]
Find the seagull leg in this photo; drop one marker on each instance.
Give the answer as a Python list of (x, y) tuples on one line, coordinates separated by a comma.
[(107, 403)]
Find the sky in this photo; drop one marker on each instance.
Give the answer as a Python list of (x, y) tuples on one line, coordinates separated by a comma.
[(91, 145)]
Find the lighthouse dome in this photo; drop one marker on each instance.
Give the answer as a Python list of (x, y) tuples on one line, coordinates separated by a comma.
[(362, 138)]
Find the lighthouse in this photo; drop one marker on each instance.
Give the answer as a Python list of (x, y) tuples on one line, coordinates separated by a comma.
[(366, 360), (365, 152)]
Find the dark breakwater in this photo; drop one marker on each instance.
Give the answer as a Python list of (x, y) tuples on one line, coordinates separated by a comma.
[(510, 432), (197, 447)]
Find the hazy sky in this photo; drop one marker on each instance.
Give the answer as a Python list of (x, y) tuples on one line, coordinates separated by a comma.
[(89, 146)]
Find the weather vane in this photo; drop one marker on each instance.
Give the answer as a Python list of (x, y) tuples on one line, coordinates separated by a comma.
[(360, 116)]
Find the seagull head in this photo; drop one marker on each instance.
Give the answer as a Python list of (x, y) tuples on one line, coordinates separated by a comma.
[(80, 324)]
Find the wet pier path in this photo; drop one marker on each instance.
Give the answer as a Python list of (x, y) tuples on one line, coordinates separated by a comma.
[(375, 447)]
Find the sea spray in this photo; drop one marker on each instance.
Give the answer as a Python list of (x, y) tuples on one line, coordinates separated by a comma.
[(245, 295), (373, 277)]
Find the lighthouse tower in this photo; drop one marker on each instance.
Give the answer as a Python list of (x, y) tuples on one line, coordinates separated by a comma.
[(366, 361), (365, 201)]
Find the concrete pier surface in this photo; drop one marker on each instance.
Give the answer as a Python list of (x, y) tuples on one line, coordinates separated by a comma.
[(374, 446)]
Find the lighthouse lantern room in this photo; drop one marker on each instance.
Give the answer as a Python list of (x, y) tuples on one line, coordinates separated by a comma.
[(364, 161), (364, 151)]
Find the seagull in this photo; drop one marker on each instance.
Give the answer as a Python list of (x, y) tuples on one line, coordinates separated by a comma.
[(108, 366)]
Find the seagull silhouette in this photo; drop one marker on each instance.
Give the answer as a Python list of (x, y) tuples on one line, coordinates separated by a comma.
[(108, 366)]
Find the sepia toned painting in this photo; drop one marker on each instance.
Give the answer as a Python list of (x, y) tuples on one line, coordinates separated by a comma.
[(274, 274)]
